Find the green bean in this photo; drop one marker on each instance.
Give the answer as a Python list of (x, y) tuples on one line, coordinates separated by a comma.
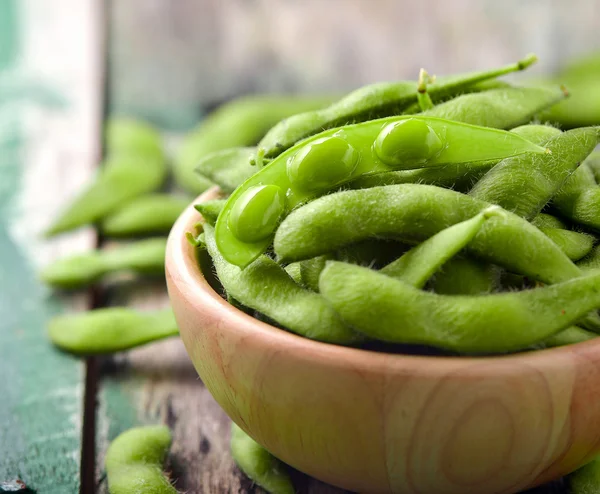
[(586, 480), (210, 210), (591, 261), (258, 464), (419, 264), (376, 100), (391, 310), (579, 198), (228, 168), (134, 166), (459, 176), (241, 122), (134, 461), (575, 245), (145, 215), (413, 213), (465, 276), (142, 257), (569, 336), (250, 217), (128, 136), (544, 220), (498, 108), (593, 163), (110, 330), (525, 185), (266, 287)]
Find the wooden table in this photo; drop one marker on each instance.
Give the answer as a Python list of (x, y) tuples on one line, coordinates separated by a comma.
[(58, 413)]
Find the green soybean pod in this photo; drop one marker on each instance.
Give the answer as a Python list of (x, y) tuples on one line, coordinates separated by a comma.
[(245, 227), (459, 176), (258, 464), (388, 309), (502, 108), (141, 257), (575, 245), (591, 261), (133, 167), (586, 480), (569, 336), (581, 109), (298, 310), (228, 168), (134, 461), (544, 220), (419, 264), (146, 215), (241, 122), (593, 163), (376, 100), (310, 270), (465, 276), (524, 185), (412, 213), (110, 330), (129, 136), (210, 210)]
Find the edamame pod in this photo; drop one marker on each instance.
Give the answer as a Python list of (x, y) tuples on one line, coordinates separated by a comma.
[(135, 165), (524, 185), (412, 213), (569, 336), (417, 265), (110, 330), (591, 261), (258, 464), (593, 163), (465, 276), (575, 245), (544, 220), (586, 480), (146, 215), (298, 310), (246, 226), (210, 210), (391, 310), (241, 122), (503, 108), (142, 257), (134, 461), (228, 168), (376, 100)]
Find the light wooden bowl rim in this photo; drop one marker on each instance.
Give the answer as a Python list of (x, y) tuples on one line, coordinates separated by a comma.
[(183, 268)]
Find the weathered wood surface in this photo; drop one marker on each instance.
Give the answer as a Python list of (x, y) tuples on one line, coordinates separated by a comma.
[(49, 127)]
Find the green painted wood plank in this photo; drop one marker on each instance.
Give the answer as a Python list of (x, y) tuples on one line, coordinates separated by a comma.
[(47, 147)]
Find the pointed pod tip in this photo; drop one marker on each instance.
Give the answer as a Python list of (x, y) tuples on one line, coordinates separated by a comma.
[(527, 61)]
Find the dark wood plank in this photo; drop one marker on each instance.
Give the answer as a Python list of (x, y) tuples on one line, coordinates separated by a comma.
[(49, 122)]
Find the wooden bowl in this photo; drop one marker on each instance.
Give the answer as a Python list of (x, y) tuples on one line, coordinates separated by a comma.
[(375, 422)]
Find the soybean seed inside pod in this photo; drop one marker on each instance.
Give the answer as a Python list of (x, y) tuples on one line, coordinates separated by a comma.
[(248, 221)]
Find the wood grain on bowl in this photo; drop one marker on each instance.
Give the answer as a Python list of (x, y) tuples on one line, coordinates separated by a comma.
[(376, 422)]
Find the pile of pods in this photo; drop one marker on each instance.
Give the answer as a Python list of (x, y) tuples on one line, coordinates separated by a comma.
[(439, 213)]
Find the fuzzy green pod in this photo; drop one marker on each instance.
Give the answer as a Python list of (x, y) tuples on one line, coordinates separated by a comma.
[(391, 310), (228, 168), (145, 257), (258, 464), (569, 336), (373, 101), (110, 330), (296, 176), (417, 265), (135, 165), (465, 276), (146, 215), (240, 122), (134, 461), (210, 210), (524, 185), (575, 245), (586, 480), (266, 287), (412, 213)]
